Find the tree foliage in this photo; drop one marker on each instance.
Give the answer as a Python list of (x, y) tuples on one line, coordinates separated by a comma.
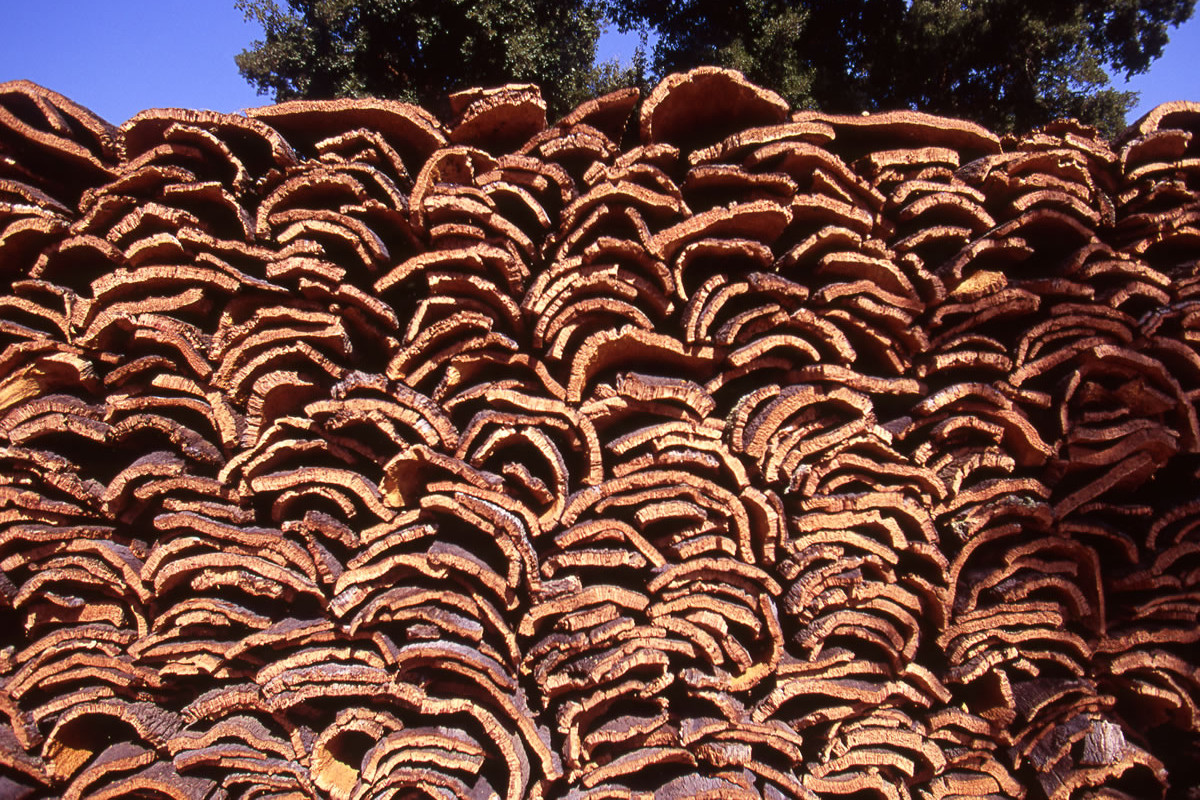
[(1009, 64), (421, 50)]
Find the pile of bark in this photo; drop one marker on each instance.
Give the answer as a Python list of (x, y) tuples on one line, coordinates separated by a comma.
[(685, 447)]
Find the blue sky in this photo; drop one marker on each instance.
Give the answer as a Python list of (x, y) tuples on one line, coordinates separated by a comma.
[(118, 57)]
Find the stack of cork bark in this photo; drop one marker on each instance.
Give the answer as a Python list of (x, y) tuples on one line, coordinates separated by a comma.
[(684, 447)]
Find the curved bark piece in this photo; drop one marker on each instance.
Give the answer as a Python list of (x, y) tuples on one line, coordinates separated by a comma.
[(572, 149), (246, 147), (411, 130), (739, 145), (246, 749), (500, 438), (223, 559), (384, 424), (898, 747), (821, 177), (1166, 116), (601, 352), (159, 778), (485, 551), (26, 227), (921, 204), (704, 104), (498, 120), (292, 211), (345, 454), (544, 187), (75, 743), (973, 766), (608, 113), (614, 284), (854, 133), (653, 205), (796, 424), (758, 220), (725, 312), (887, 168), (66, 146)]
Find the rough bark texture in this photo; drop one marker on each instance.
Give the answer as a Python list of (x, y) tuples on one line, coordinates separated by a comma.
[(352, 453)]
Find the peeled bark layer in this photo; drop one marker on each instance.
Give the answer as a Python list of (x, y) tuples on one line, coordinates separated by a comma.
[(721, 451)]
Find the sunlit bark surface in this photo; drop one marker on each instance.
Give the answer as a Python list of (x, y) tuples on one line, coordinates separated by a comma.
[(685, 447)]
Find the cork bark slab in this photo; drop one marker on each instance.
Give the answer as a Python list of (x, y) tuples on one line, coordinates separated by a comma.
[(740, 453)]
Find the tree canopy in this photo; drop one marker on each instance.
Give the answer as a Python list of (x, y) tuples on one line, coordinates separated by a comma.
[(1009, 64), (420, 50)]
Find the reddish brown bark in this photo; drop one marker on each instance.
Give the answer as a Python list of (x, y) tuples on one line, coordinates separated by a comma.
[(348, 452)]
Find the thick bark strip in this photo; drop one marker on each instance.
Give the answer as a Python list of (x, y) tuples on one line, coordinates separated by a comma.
[(695, 448)]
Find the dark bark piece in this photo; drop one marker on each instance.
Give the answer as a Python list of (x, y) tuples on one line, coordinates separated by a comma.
[(546, 180), (609, 113), (25, 236), (62, 143), (160, 778), (1178, 115), (109, 767)]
